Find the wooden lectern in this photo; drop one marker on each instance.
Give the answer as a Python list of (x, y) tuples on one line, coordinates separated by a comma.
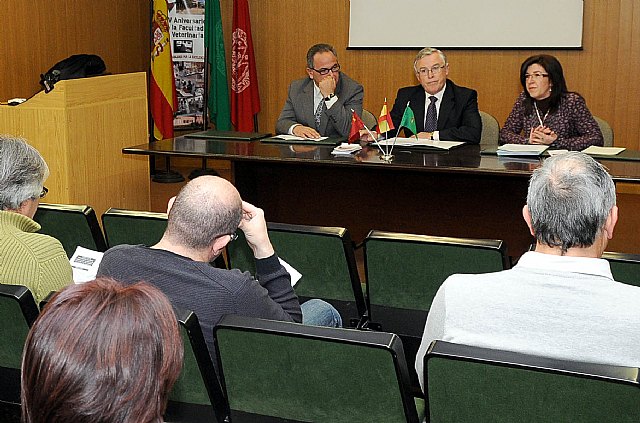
[(80, 128)]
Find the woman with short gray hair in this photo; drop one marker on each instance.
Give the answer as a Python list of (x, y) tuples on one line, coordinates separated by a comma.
[(27, 258)]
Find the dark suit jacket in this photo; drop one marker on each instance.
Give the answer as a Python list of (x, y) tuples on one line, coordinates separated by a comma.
[(336, 121), (458, 118)]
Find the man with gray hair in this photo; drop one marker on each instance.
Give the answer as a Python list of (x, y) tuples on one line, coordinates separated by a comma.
[(442, 109), (320, 105), (27, 258), (203, 219), (559, 301)]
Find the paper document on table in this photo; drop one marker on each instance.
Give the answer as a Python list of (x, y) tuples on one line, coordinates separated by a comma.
[(603, 151), (421, 142), (557, 152), (84, 264), (521, 149), (346, 149), (295, 275), (296, 138)]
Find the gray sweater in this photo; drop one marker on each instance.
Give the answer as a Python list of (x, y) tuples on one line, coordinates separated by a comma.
[(208, 291)]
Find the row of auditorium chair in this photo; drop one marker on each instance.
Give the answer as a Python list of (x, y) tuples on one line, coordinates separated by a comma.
[(403, 271), (273, 371)]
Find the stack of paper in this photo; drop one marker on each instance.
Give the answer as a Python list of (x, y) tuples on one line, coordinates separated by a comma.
[(603, 151), (346, 149), (521, 149)]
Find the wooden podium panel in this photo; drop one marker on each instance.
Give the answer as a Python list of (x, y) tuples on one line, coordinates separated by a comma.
[(80, 128)]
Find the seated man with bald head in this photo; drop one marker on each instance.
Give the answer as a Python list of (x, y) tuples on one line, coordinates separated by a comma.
[(560, 301), (203, 219)]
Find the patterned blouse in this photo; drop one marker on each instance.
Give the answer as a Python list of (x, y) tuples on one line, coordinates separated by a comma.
[(572, 121)]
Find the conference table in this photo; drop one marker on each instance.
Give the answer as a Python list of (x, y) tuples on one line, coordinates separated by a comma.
[(455, 193)]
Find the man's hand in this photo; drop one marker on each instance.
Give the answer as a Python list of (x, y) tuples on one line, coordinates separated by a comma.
[(366, 136), (254, 227), (327, 86), (425, 135), (305, 131)]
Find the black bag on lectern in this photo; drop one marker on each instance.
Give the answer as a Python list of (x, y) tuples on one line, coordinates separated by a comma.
[(76, 66)]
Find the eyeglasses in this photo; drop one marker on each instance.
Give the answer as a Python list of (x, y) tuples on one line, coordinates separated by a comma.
[(435, 69), (233, 237), (44, 192), (528, 76), (323, 71)]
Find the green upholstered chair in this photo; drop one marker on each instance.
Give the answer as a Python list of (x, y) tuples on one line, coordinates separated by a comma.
[(197, 395), (133, 227), (325, 258), (280, 371), (624, 267), (607, 131), (404, 273), (490, 131), (18, 311), (472, 384), (72, 225)]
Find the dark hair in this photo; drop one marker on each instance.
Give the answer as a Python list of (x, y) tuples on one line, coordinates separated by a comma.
[(101, 352), (553, 67), (319, 48)]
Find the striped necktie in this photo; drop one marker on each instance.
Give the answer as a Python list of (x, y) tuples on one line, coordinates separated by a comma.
[(318, 113)]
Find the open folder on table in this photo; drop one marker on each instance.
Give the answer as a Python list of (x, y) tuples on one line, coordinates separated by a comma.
[(292, 139), (420, 143), (228, 135), (521, 149)]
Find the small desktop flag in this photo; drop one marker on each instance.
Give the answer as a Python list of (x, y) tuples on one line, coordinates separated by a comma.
[(356, 125), (385, 124), (408, 120)]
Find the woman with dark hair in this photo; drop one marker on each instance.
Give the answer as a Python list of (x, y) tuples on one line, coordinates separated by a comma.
[(101, 352), (546, 112)]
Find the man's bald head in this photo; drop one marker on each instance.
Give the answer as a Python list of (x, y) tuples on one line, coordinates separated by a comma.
[(206, 208)]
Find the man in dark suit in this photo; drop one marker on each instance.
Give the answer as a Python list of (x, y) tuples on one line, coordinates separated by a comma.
[(451, 111), (321, 104)]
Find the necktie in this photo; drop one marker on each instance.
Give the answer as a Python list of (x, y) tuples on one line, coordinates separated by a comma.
[(431, 121), (319, 110)]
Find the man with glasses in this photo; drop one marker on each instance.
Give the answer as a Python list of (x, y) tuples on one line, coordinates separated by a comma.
[(27, 258), (203, 219), (321, 104), (442, 109)]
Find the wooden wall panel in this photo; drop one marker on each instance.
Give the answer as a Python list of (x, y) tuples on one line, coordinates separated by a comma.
[(39, 33), (604, 71)]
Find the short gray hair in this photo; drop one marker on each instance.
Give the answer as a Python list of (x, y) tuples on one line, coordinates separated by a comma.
[(428, 51), (198, 216), (22, 172), (570, 197), (319, 48)]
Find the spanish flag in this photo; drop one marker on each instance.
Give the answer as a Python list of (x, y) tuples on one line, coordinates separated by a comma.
[(385, 124), (162, 89)]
